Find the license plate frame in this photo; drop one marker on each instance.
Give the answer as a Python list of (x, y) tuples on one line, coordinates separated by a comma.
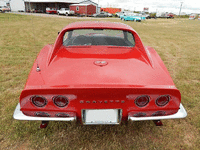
[(101, 116)]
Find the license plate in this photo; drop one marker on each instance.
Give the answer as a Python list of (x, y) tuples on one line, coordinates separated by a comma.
[(101, 116)]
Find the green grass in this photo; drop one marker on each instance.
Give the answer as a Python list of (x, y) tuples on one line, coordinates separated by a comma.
[(176, 41)]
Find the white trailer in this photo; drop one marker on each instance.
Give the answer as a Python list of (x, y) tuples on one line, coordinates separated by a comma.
[(164, 15), (17, 5)]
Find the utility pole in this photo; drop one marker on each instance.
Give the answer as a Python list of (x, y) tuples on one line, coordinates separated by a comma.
[(180, 9), (97, 9)]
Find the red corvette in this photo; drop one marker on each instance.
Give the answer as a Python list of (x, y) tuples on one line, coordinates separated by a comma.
[(99, 73)]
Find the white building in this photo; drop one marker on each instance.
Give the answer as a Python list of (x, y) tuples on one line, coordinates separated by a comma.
[(23, 5)]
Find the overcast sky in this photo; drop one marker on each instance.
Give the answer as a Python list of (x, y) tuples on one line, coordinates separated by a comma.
[(188, 6)]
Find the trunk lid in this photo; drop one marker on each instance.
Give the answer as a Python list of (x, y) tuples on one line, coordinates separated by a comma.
[(122, 67)]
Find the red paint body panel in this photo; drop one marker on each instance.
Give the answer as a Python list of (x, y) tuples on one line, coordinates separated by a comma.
[(130, 72)]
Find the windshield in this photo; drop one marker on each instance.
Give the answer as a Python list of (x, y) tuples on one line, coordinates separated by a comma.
[(103, 37)]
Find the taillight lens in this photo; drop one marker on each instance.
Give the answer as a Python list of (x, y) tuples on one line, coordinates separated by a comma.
[(162, 100), (39, 101), (142, 101), (60, 101)]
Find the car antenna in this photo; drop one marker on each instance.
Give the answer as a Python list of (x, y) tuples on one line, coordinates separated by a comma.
[(38, 68)]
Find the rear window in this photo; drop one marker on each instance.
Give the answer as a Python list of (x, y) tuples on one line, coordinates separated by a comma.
[(103, 37)]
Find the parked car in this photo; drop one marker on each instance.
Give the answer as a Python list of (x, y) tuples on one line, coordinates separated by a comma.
[(128, 14), (199, 17), (101, 14), (37, 11), (142, 16), (192, 17), (4, 9), (119, 14), (131, 17), (164, 15), (99, 73), (65, 11), (109, 14), (51, 10)]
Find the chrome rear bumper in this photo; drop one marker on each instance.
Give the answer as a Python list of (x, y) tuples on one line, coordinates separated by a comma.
[(180, 114), (20, 116)]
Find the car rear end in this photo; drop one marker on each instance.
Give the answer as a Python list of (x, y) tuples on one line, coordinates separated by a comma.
[(98, 105), (191, 17), (50, 10), (5, 9), (71, 12), (99, 84)]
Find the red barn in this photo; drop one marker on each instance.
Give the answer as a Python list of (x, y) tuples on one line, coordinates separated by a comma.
[(83, 9)]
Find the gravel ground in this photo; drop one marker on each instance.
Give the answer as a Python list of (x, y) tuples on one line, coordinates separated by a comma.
[(60, 16)]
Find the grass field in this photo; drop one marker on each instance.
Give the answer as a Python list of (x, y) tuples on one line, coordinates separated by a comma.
[(176, 40)]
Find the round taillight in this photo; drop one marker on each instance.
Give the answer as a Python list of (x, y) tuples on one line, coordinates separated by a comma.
[(162, 100), (142, 101), (60, 101), (39, 101)]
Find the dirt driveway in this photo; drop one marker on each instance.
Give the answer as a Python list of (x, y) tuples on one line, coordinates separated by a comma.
[(59, 16)]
